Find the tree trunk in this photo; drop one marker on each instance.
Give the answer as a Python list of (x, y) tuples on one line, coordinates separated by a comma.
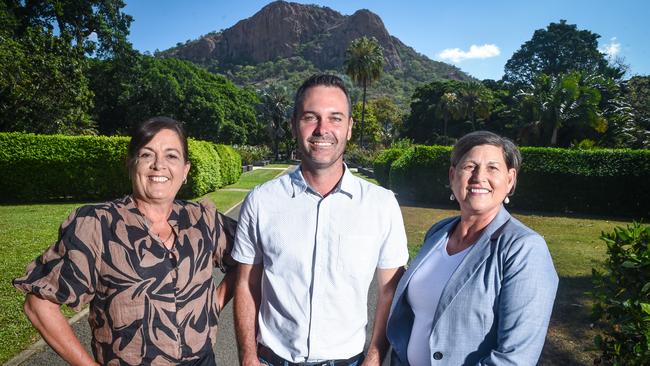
[(363, 114)]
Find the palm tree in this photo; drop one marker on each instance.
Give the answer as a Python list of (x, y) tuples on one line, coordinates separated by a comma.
[(476, 101), (564, 99), (364, 64), (274, 109), (448, 107)]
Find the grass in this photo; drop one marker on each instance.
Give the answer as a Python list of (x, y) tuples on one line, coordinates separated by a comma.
[(252, 178), (575, 247)]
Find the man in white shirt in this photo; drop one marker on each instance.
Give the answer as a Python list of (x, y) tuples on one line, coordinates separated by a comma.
[(309, 243)]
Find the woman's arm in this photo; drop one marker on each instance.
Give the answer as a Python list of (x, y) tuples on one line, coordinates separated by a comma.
[(226, 288), (526, 300), (47, 318)]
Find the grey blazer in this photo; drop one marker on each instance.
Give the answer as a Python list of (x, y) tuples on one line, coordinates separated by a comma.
[(496, 306)]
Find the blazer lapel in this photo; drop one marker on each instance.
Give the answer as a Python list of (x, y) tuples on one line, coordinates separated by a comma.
[(479, 252)]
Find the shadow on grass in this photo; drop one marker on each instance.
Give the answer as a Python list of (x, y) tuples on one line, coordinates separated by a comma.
[(570, 338)]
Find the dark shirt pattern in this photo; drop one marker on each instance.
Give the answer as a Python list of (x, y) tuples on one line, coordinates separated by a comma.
[(148, 305)]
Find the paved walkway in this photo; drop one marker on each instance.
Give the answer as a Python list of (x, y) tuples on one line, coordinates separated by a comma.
[(40, 354)]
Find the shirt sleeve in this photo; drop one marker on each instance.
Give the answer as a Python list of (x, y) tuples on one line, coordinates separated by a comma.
[(247, 248), (67, 272), (394, 251)]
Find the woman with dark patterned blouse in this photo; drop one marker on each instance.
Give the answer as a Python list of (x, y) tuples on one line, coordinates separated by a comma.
[(144, 263)]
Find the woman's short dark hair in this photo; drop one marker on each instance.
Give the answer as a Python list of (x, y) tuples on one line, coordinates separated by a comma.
[(319, 80), (144, 132), (511, 153)]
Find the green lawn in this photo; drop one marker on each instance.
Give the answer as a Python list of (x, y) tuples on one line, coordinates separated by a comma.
[(576, 248), (252, 178)]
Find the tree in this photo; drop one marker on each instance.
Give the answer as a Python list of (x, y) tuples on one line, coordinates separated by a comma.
[(559, 49), (274, 108), (475, 101), (448, 108), (371, 129), (364, 64), (389, 116), (43, 88), (88, 25), (567, 103)]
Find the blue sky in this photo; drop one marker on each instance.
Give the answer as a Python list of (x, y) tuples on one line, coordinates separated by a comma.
[(477, 36)]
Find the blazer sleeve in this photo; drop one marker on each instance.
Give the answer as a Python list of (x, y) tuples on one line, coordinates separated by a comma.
[(529, 285)]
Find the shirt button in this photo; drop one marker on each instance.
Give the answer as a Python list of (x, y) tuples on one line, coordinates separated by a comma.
[(437, 356)]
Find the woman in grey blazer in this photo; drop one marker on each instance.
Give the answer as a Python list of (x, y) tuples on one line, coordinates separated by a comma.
[(481, 289)]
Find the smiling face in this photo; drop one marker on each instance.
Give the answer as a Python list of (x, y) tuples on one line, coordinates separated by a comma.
[(160, 168), (322, 127), (481, 180)]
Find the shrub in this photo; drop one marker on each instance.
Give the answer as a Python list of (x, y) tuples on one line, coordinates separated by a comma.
[(56, 167), (250, 154), (622, 298), (421, 174), (230, 164), (205, 173), (561, 180), (360, 157), (383, 162)]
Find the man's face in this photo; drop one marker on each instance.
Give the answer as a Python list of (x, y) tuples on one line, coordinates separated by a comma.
[(322, 127)]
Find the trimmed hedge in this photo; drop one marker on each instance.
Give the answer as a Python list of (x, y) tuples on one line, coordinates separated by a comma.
[(55, 167), (382, 163), (611, 182), (230, 163)]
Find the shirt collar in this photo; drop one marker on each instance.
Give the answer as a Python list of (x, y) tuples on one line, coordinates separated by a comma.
[(345, 185)]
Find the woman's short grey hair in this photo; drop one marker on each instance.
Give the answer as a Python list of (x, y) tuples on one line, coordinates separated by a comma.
[(511, 153)]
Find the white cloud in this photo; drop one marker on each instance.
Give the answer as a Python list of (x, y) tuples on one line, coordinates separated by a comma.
[(458, 55), (613, 48)]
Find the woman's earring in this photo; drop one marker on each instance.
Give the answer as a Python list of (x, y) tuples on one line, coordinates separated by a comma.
[(506, 201), (185, 180), (451, 197)]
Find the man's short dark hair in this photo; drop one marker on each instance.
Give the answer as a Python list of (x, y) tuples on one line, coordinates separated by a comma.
[(320, 80)]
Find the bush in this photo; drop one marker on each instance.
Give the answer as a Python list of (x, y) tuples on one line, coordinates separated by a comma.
[(383, 162), (561, 180), (421, 174), (56, 167), (250, 154), (622, 298), (230, 164), (360, 157)]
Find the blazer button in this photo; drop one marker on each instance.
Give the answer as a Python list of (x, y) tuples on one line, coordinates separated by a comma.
[(437, 356)]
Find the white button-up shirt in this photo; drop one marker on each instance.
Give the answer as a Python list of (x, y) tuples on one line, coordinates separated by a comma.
[(319, 256)]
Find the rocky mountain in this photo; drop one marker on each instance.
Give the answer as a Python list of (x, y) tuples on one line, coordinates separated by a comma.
[(306, 38)]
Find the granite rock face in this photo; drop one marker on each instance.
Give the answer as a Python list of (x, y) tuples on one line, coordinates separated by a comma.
[(284, 29)]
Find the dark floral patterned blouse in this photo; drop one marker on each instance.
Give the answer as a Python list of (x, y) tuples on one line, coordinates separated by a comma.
[(148, 305)]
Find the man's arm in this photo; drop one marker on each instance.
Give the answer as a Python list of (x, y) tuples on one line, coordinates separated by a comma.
[(247, 304), (47, 318), (387, 280)]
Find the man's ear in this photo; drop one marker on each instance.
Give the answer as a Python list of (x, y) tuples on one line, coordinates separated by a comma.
[(350, 129), (294, 128)]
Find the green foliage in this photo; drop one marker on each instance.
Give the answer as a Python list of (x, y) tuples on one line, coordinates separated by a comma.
[(43, 88), (622, 297), (560, 180), (230, 163), (211, 106), (371, 130), (560, 48), (56, 167), (358, 156), (389, 116), (364, 63), (421, 174), (250, 154), (383, 162), (274, 110)]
